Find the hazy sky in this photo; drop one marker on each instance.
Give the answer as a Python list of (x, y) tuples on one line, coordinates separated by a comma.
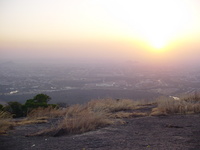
[(144, 30)]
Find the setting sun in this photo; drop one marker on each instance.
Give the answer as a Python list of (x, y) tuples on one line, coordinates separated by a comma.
[(156, 26)]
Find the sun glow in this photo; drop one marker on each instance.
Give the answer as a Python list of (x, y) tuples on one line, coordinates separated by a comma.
[(156, 22), (166, 20)]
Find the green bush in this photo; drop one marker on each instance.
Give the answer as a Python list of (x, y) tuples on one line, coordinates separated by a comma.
[(39, 100), (19, 110)]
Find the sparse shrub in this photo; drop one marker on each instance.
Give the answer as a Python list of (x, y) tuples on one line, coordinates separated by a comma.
[(194, 98), (183, 106)]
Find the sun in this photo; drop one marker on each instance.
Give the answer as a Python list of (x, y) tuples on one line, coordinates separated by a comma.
[(159, 26), (156, 22), (157, 44)]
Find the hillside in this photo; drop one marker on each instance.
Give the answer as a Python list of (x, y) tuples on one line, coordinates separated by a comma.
[(168, 132)]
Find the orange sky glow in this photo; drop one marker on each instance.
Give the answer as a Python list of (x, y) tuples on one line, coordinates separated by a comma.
[(144, 30)]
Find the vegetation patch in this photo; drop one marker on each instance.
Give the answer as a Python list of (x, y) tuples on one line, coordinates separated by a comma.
[(95, 114)]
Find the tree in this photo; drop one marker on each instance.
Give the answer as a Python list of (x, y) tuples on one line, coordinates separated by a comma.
[(42, 98), (39, 100)]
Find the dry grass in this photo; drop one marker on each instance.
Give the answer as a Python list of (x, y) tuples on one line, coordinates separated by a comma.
[(82, 118), (186, 105), (48, 112), (5, 123), (121, 114), (99, 113), (30, 121), (111, 105), (78, 119), (93, 115)]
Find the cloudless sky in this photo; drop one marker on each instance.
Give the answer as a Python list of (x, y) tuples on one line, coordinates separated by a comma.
[(143, 30)]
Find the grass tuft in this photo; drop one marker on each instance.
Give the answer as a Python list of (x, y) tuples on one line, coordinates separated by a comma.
[(121, 114)]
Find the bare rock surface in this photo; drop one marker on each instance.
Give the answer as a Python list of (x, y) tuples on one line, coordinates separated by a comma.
[(173, 132)]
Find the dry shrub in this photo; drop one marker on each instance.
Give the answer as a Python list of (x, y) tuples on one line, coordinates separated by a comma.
[(84, 121), (75, 110), (111, 105), (48, 112), (5, 123), (182, 106)]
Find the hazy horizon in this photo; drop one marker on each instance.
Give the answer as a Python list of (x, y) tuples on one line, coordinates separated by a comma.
[(152, 32)]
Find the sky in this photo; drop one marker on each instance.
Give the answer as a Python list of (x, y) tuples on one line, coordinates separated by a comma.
[(152, 31)]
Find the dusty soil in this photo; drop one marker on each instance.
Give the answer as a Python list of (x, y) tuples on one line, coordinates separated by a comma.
[(174, 132)]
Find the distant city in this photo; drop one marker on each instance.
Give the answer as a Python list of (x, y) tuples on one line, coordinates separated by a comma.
[(79, 83)]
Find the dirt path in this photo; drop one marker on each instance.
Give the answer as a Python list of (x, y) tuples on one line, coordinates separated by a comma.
[(176, 132)]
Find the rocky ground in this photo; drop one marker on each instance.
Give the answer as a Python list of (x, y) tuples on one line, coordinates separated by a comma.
[(173, 132)]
